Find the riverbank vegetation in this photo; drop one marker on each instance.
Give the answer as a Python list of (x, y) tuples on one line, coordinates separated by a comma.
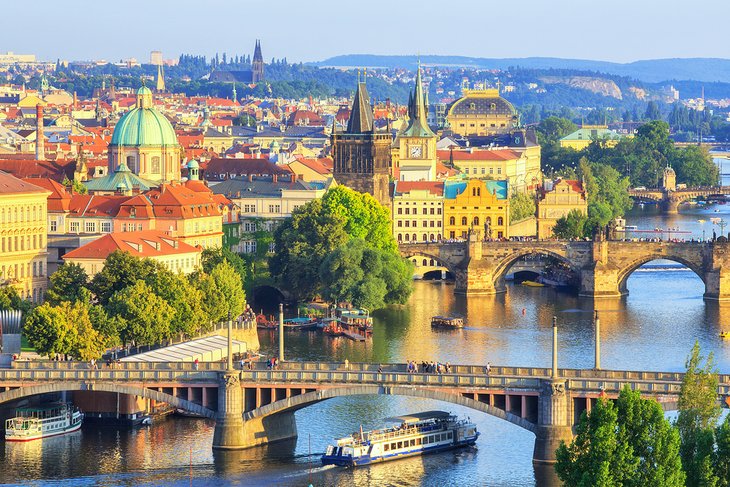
[(631, 443), (133, 302)]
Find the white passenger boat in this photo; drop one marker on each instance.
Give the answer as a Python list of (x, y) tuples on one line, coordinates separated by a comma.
[(415, 434), (33, 423)]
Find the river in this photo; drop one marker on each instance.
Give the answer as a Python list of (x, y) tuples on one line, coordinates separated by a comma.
[(653, 328)]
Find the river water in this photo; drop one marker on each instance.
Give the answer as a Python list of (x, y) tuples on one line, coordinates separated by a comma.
[(653, 328)]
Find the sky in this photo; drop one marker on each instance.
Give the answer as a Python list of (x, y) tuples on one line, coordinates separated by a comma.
[(313, 30)]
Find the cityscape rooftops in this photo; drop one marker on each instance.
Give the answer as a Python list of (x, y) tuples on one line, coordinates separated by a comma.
[(145, 243)]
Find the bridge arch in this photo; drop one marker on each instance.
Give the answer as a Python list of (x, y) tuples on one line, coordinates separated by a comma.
[(295, 403), (631, 267), (100, 386), (430, 257), (504, 265)]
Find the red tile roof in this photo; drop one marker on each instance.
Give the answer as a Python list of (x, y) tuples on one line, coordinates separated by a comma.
[(146, 243), (433, 187), (322, 165), (172, 200), (59, 200), (479, 155), (9, 184), (31, 168)]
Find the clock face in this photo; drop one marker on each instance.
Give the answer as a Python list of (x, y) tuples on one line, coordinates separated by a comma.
[(416, 151)]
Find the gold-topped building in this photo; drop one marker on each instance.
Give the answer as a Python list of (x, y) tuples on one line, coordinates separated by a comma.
[(482, 112)]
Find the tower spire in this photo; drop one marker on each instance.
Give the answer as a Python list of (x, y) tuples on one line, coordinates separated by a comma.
[(361, 116), (418, 126)]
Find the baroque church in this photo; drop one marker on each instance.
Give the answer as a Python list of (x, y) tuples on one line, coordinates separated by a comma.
[(254, 75)]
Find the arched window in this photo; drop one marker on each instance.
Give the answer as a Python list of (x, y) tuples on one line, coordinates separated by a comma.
[(400, 236), (407, 237), (155, 165), (131, 164), (463, 220), (431, 237), (425, 262), (415, 239), (500, 221), (452, 221), (489, 220), (425, 237), (476, 221)]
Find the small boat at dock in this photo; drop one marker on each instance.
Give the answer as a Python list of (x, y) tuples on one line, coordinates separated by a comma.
[(532, 284), (447, 322), (415, 434)]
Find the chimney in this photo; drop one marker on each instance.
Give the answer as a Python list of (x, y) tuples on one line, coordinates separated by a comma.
[(275, 178), (40, 149)]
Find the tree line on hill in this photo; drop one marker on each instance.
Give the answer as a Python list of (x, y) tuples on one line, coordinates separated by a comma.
[(629, 442)]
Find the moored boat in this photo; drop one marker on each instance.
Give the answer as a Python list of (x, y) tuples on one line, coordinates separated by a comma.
[(356, 318), (300, 324), (415, 434), (448, 322), (725, 334), (532, 284), (34, 423)]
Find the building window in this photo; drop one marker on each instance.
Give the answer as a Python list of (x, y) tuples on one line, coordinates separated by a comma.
[(452, 220), (131, 165), (400, 223), (400, 237), (408, 223), (249, 247), (425, 211), (475, 222), (74, 227), (106, 227), (90, 227), (425, 223), (155, 165), (400, 211), (54, 225), (408, 211), (432, 211), (274, 208), (500, 221), (407, 237), (463, 220)]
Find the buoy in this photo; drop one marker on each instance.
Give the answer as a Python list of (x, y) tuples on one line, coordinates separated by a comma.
[(524, 311)]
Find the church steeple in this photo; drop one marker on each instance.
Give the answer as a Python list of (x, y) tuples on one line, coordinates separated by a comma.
[(361, 116), (257, 65), (418, 125), (160, 82)]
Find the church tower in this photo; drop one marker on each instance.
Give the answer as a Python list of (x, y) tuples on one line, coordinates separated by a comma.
[(361, 154), (257, 65), (160, 81), (417, 143)]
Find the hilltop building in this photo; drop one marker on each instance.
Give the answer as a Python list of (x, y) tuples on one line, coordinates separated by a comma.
[(252, 76), (482, 112), (582, 138), (361, 153)]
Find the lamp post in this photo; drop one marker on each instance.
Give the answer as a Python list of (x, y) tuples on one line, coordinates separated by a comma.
[(555, 348), (281, 332), (229, 360), (597, 323)]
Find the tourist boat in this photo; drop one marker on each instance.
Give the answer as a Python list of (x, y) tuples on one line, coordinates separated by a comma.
[(448, 322), (356, 318), (34, 423), (415, 434)]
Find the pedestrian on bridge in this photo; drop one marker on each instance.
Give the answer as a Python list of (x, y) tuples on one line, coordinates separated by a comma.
[(488, 368)]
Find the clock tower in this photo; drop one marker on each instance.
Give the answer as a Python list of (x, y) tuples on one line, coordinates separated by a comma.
[(417, 143)]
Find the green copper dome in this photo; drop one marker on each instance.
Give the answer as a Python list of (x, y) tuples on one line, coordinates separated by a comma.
[(143, 125)]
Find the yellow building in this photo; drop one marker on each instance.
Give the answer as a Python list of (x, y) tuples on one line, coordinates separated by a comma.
[(555, 201), (477, 204), (582, 138), (482, 112), (23, 230), (418, 211), (521, 168)]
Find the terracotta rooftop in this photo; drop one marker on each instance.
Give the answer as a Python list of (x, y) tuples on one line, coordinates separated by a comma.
[(147, 243), (9, 184)]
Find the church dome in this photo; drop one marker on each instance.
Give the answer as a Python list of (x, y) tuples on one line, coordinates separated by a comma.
[(482, 102), (143, 125), (193, 164)]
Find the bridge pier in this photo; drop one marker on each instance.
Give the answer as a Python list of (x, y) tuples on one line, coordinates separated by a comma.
[(670, 205), (228, 432), (554, 422)]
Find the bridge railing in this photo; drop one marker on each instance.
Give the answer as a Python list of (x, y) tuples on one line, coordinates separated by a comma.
[(15, 376)]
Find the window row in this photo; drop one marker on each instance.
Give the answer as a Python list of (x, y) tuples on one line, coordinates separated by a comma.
[(22, 271), (414, 223), (424, 211), (476, 221), (22, 213), (19, 243), (476, 170), (427, 237), (426, 440)]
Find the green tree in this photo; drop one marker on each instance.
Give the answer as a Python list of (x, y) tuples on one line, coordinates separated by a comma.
[(698, 415), (212, 257), (145, 318), (652, 111), (10, 299), (48, 330), (302, 242), (227, 282), (121, 270), (570, 226), (365, 276), (362, 215), (596, 457), (184, 298), (88, 343), (67, 284), (653, 441), (521, 206), (552, 129), (721, 457)]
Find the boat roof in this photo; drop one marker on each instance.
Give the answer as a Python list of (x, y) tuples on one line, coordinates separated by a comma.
[(446, 318), (412, 418), (45, 407), (297, 320)]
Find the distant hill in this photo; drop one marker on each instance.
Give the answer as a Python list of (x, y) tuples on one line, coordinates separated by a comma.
[(651, 71)]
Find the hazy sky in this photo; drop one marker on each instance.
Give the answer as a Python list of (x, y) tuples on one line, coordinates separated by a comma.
[(310, 30)]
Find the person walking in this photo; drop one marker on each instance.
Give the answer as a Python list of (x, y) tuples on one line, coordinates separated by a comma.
[(347, 364), (488, 368), (195, 364)]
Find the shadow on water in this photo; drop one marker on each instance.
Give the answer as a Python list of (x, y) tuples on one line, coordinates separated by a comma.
[(545, 476)]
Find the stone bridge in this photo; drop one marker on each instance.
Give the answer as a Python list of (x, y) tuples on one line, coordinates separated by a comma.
[(603, 267), (255, 407), (670, 200)]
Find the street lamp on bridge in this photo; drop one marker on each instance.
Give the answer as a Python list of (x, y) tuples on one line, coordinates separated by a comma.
[(555, 347)]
